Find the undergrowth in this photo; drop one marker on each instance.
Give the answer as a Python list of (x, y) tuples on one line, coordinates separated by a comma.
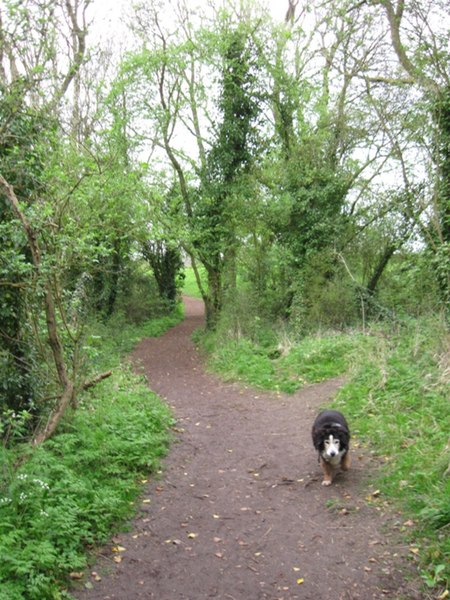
[(70, 494), (274, 366)]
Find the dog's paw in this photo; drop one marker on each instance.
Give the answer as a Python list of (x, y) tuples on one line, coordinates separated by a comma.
[(326, 482)]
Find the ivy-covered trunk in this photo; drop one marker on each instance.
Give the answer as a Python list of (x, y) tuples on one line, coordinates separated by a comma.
[(442, 253)]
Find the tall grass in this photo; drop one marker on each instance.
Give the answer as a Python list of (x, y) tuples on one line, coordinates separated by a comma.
[(398, 400), (73, 492)]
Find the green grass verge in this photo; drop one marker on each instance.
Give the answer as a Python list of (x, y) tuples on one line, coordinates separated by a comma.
[(75, 490), (398, 401), (271, 367)]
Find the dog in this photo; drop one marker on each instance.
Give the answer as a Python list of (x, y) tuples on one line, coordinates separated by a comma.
[(331, 439)]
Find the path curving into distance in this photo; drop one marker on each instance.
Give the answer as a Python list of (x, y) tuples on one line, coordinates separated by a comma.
[(239, 512)]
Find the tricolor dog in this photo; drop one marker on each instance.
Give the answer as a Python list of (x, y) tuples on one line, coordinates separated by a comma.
[(331, 438)]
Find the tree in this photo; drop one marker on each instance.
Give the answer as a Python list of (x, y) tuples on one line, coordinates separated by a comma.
[(426, 63), (39, 224)]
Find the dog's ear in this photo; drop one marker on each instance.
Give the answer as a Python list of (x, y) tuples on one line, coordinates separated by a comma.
[(318, 435), (344, 438)]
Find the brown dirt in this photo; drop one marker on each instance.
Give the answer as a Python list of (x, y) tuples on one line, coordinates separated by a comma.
[(239, 511)]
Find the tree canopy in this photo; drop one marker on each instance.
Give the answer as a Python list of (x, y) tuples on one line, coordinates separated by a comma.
[(301, 168)]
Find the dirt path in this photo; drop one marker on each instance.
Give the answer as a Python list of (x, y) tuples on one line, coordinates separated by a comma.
[(239, 512)]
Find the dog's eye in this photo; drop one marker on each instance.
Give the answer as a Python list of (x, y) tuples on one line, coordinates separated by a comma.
[(336, 443)]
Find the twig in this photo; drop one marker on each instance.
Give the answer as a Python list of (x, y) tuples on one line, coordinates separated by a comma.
[(97, 379)]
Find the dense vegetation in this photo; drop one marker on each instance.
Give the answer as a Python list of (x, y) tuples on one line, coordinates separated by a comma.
[(301, 168)]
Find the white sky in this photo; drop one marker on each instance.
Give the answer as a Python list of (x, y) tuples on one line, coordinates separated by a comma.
[(110, 16)]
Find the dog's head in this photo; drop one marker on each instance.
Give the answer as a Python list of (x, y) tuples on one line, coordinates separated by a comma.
[(331, 440), (332, 446)]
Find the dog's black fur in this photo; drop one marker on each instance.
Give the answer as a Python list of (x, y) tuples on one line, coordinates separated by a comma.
[(331, 423)]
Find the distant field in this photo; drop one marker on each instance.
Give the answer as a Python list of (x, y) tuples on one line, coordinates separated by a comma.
[(190, 287)]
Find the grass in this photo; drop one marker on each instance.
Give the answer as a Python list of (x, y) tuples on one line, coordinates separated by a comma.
[(190, 287), (397, 401), (270, 367), (76, 489)]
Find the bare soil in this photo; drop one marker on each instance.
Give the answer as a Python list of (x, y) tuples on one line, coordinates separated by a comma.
[(239, 511)]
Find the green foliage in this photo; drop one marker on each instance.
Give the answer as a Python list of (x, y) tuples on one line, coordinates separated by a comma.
[(167, 265), (21, 163), (281, 364), (76, 489)]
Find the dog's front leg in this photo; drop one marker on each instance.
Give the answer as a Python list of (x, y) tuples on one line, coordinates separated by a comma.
[(327, 472)]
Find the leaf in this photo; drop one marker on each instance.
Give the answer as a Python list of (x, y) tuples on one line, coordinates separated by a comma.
[(76, 575), (300, 580), (192, 536), (118, 549)]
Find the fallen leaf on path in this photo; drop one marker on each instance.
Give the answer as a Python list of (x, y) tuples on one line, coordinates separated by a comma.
[(76, 575), (216, 516), (118, 549), (409, 523), (444, 595), (146, 501), (117, 559), (300, 580), (217, 539), (192, 536)]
